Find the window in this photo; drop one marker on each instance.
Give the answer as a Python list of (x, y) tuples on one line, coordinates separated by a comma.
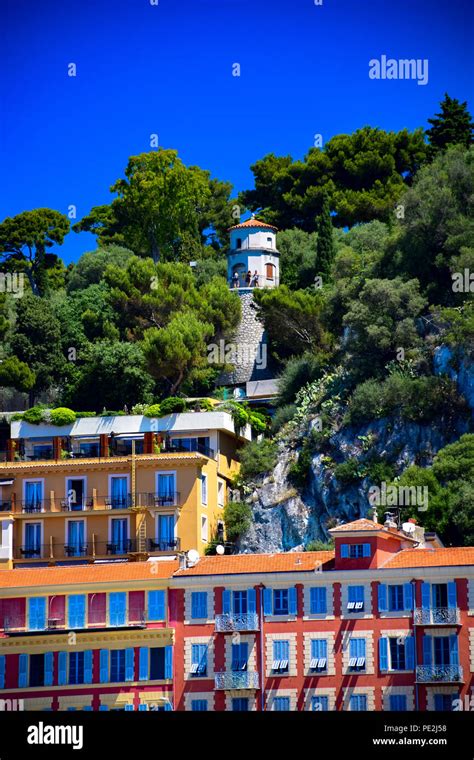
[(220, 493), (33, 495), (204, 531), (281, 656), (166, 489), (76, 606), (37, 613), (156, 605), (119, 533), (281, 703), (157, 663), (240, 602), (240, 704), (318, 601), (355, 551), (240, 655), (238, 243), (75, 493), (444, 702), (203, 489), (398, 702), (76, 543), (118, 608), (119, 492), (319, 654), (355, 595), (442, 650), (358, 702), (36, 670), (2, 671), (121, 665), (395, 598), (440, 595), (270, 271), (281, 601), (199, 705), (319, 704), (199, 604), (357, 656), (397, 654), (199, 660), (76, 667), (166, 537)]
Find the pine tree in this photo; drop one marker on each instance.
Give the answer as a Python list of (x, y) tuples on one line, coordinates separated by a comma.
[(453, 126), (325, 245)]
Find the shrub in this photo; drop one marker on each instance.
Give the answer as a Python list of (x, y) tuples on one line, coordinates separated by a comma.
[(298, 474), (258, 421), (349, 471), (237, 518), (257, 458), (380, 472), (319, 546), (80, 415), (173, 405), (62, 416), (283, 415), (139, 408), (34, 416), (154, 410)]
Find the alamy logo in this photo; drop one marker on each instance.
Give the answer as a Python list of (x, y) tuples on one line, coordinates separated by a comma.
[(44, 734), (399, 496), (403, 68), (240, 354), (12, 705), (463, 282), (13, 283)]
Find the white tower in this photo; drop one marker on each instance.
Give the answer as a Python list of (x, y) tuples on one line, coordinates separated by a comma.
[(253, 249)]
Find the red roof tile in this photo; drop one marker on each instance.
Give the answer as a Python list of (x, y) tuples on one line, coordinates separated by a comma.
[(252, 222), (110, 572), (288, 562), (368, 525), (446, 557)]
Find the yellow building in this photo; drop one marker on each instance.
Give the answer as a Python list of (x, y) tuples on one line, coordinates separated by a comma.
[(123, 487)]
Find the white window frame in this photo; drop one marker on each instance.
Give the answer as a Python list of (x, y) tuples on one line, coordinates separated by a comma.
[(204, 479), (76, 477), (204, 522), (34, 480)]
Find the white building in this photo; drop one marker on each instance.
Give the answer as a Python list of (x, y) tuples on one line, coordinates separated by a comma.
[(253, 249)]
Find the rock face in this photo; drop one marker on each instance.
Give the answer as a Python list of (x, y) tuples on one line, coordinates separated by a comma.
[(251, 359), (284, 519)]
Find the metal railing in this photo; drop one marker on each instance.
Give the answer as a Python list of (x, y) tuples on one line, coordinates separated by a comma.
[(436, 616), (34, 551), (157, 500), (439, 673), (229, 622), (245, 679), (134, 617), (163, 545), (113, 548), (6, 506)]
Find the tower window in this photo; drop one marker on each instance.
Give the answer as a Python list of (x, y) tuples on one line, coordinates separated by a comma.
[(269, 240), (270, 271), (238, 243)]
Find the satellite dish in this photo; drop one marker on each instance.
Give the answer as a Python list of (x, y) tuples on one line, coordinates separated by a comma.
[(220, 549), (193, 556), (408, 527)]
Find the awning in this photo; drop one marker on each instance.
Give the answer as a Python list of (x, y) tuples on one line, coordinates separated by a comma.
[(6, 482)]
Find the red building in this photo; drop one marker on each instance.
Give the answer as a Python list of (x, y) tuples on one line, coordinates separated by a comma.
[(384, 622)]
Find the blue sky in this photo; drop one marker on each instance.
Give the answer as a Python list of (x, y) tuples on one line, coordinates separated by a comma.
[(167, 69)]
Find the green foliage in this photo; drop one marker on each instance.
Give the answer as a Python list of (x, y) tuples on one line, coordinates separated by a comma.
[(90, 268), (319, 546), (172, 405), (297, 258), (16, 374), (62, 416), (452, 126), (35, 415), (298, 372), (349, 472), (154, 410), (25, 240), (380, 471), (283, 415), (237, 519), (299, 471), (325, 245), (257, 458)]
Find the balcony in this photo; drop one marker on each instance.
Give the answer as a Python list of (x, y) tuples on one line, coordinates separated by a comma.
[(135, 617), (157, 500), (163, 545), (437, 616), (6, 506), (246, 679), (439, 674), (36, 551), (228, 623)]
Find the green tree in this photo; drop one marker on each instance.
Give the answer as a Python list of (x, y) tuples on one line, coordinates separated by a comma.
[(16, 374), (452, 126), (90, 268), (25, 240), (325, 245), (297, 258)]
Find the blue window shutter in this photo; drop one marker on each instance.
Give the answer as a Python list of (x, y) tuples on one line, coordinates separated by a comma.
[(277, 650), (323, 606), (168, 707), (88, 708), (129, 708), (203, 604), (226, 602), (293, 606), (195, 609), (142, 708), (37, 613), (88, 666), (285, 650), (129, 664), (410, 653), (117, 607), (23, 671), (366, 550), (267, 601), (143, 664), (169, 662), (453, 650), (362, 648), (2, 671), (251, 600), (103, 708), (104, 665), (156, 605), (426, 650), (62, 668), (344, 551), (425, 595), (452, 594), (382, 597), (408, 596), (383, 653)]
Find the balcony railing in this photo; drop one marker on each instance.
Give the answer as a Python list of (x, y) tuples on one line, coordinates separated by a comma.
[(34, 506), (437, 616), (198, 447), (163, 545), (157, 500), (35, 551), (6, 506), (246, 679), (113, 548), (229, 622), (439, 674)]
